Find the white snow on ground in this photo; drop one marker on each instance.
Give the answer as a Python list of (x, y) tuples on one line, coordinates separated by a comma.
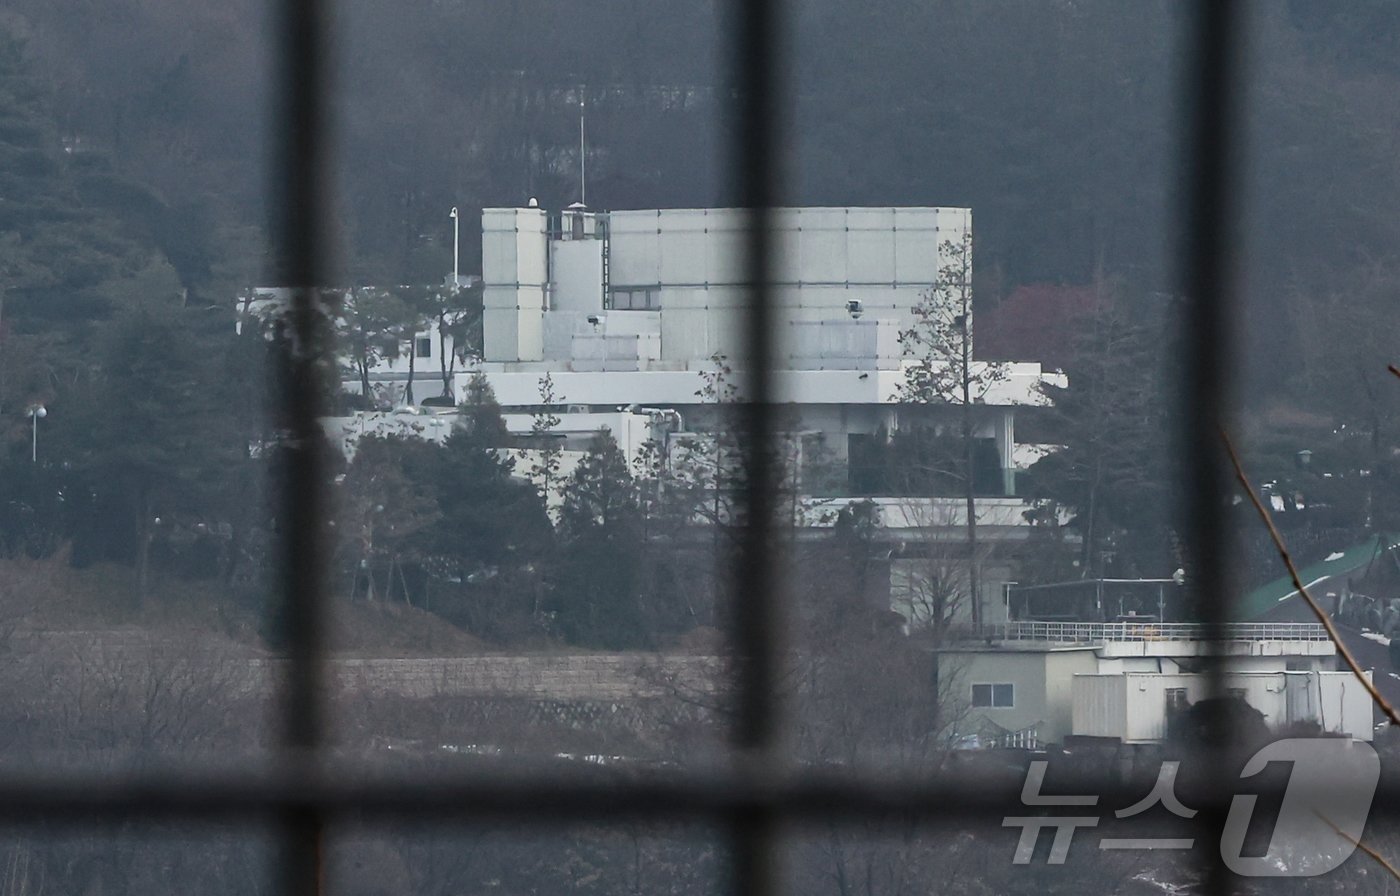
[(1170, 889), (1377, 637), (1335, 555)]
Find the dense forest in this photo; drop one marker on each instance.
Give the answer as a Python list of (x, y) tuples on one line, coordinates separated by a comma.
[(1056, 122)]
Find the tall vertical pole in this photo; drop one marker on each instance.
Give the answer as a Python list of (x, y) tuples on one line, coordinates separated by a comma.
[(456, 244), (302, 184), (974, 578), (34, 444), (582, 158)]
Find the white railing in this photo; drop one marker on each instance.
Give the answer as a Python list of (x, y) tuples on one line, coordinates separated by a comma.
[(1098, 632), (992, 736), (1025, 739)]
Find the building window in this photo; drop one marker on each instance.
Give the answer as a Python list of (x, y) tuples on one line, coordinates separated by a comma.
[(1176, 700), (994, 696), (425, 347), (636, 298)]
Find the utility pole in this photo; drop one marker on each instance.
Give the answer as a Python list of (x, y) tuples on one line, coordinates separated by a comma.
[(456, 244), (969, 451), (36, 413)]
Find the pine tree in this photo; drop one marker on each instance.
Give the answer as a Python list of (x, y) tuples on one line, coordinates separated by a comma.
[(597, 600), (1114, 469)]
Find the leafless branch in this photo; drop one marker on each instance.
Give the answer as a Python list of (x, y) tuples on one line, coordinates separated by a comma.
[(1312, 603), (1380, 859)]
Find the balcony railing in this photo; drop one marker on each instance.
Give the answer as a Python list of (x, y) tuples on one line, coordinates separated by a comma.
[(1100, 632)]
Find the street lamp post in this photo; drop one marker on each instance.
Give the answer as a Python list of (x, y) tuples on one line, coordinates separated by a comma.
[(36, 413), (456, 243)]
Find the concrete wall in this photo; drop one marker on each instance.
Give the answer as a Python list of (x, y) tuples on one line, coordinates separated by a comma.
[(1133, 707), (1024, 670), (514, 273), (1061, 667), (826, 257), (576, 275)]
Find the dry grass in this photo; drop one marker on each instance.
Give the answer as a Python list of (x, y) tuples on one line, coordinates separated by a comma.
[(50, 596)]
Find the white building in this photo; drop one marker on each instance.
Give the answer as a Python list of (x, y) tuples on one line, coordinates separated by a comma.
[(1033, 683), (626, 311), (629, 307)]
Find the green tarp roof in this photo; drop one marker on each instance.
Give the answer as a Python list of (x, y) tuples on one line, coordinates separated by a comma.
[(1266, 597)]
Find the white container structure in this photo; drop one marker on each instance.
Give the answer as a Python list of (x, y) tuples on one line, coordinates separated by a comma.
[(1134, 707)]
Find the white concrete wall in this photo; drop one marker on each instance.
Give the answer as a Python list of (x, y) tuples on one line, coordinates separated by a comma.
[(843, 344), (677, 386), (1061, 667), (631, 431), (514, 281), (885, 257), (346, 432), (836, 248), (576, 275), (1024, 670), (1132, 706)]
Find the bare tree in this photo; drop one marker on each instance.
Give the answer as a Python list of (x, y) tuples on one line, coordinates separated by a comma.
[(942, 372)]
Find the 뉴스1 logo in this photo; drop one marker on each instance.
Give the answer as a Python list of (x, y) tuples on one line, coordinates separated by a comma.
[(1328, 796)]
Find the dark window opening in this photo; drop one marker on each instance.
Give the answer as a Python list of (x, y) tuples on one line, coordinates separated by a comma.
[(993, 696)]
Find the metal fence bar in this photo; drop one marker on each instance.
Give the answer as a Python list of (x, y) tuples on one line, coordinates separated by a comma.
[(757, 729), (302, 178), (563, 796), (1206, 242), (557, 795)]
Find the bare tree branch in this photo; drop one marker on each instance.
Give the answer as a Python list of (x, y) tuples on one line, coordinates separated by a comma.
[(1380, 859), (1312, 603)]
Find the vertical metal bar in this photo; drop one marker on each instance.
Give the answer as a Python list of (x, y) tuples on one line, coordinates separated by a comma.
[(756, 732), (1207, 258), (756, 610), (300, 189)]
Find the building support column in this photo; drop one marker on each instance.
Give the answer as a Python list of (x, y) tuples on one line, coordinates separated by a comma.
[(1006, 444)]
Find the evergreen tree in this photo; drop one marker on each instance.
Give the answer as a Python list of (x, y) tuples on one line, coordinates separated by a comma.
[(1114, 472), (490, 532), (149, 445), (372, 326), (596, 597), (384, 511)]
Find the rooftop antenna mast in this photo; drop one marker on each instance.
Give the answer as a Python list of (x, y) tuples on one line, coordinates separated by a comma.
[(582, 157)]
